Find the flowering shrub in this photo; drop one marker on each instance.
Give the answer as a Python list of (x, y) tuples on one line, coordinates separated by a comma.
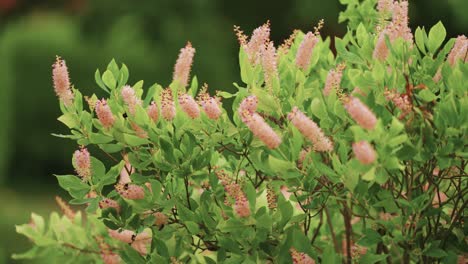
[(358, 155)]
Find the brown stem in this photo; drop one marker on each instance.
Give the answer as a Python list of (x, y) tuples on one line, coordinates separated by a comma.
[(330, 225)]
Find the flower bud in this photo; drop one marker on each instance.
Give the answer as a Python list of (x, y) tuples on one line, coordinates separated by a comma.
[(62, 82)]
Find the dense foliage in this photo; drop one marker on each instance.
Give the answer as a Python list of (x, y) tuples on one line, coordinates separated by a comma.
[(357, 155)]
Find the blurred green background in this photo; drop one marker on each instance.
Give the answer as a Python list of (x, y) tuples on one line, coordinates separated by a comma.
[(146, 36)]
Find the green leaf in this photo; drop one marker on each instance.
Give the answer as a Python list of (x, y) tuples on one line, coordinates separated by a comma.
[(109, 80), (419, 37), (134, 141), (74, 185), (192, 227), (427, 95), (69, 120), (100, 83), (437, 35)]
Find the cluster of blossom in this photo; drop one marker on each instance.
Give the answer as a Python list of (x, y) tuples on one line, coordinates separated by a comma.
[(168, 108), (189, 106), (401, 101), (256, 44), (360, 112), (257, 124), (304, 53), (130, 98), (82, 163), (459, 51), (397, 28), (334, 79), (310, 130), (234, 191), (271, 198), (210, 104), (300, 257), (109, 203), (62, 82), (104, 114), (184, 64), (364, 152), (269, 63)]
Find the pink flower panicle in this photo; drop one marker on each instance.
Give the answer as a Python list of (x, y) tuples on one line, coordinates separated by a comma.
[(104, 114), (269, 63), (168, 109), (384, 6), (153, 111), (360, 113), (211, 105), (249, 104), (283, 49), (109, 203), (260, 36), (304, 53), (130, 191), (130, 98), (333, 79), (67, 211), (401, 101), (107, 255), (261, 129), (82, 163), (184, 64), (61, 80), (189, 105), (310, 130), (459, 51), (241, 206), (397, 28), (364, 152), (300, 257)]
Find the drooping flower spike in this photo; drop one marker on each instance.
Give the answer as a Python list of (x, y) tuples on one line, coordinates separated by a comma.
[(184, 65), (364, 152), (61, 80), (360, 113), (310, 130), (261, 129)]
